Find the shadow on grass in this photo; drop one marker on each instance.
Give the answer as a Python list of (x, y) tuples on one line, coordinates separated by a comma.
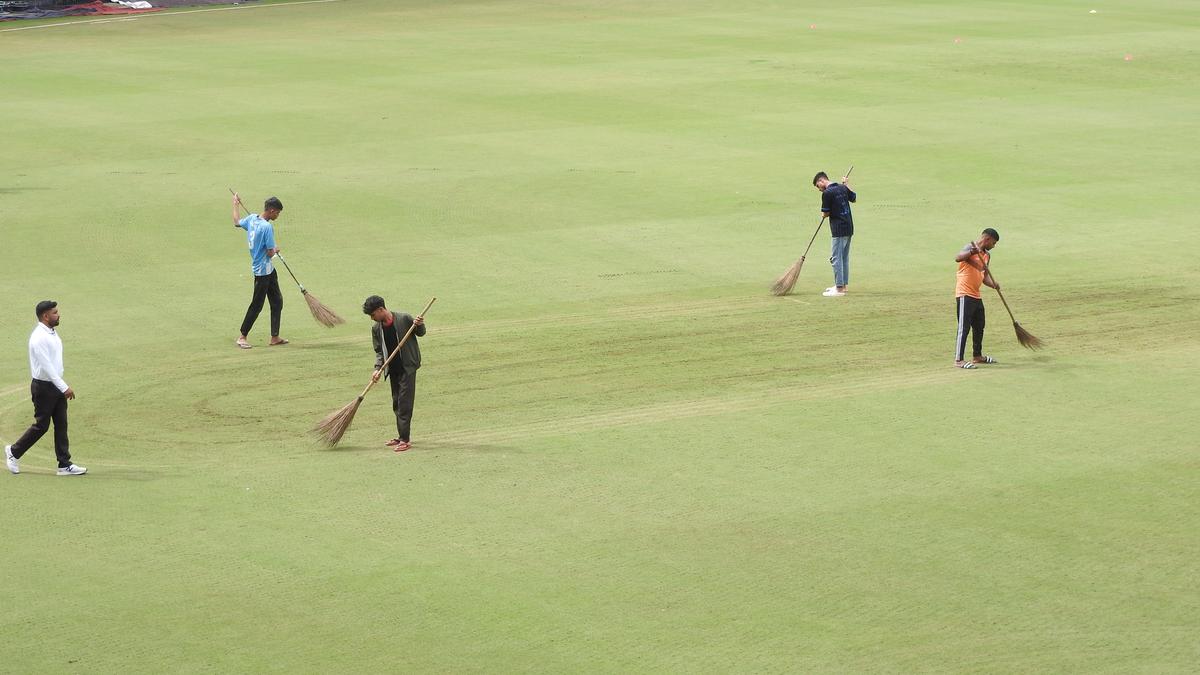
[(423, 447)]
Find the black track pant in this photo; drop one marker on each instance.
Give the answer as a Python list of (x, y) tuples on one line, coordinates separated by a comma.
[(49, 405), (404, 393), (265, 288), (970, 320)]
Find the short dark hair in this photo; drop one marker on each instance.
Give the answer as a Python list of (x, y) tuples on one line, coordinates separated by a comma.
[(819, 176), (273, 203), (371, 304), (43, 307), (992, 233)]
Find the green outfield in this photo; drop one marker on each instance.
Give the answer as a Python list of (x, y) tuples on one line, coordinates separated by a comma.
[(628, 456)]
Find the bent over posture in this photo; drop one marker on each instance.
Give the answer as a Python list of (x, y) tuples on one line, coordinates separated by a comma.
[(389, 329)]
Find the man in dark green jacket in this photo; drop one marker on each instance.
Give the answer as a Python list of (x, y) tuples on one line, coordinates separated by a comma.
[(389, 329)]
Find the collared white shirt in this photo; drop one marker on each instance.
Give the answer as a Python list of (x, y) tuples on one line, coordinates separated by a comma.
[(45, 356)]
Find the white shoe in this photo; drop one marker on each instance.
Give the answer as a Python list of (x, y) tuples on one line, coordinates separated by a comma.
[(72, 470), (832, 293), (10, 460)]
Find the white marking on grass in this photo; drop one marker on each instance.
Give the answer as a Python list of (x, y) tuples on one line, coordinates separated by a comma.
[(186, 11)]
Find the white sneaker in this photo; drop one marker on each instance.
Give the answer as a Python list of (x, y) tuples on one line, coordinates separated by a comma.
[(10, 460), (72, 470), (832, 293)]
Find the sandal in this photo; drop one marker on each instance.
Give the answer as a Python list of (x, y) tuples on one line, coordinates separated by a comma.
[(242, 344), (965, 364), (983, 359), (277, 342)]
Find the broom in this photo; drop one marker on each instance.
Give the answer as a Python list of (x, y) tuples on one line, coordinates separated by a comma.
[(331, 429), (1027, 339), (787, 281), (324, 316), (784, 284)]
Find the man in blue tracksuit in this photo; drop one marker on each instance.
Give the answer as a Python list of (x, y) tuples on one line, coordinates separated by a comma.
[(835, 204)]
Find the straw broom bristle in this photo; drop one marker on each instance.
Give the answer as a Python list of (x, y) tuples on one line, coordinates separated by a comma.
[(331, 429), (323, 315), (1027, 339), (784, 284)]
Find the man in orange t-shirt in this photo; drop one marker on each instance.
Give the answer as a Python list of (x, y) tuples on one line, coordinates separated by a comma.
[(971, 275)]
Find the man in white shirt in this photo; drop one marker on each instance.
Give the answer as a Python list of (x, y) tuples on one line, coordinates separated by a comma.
[(50, 394)]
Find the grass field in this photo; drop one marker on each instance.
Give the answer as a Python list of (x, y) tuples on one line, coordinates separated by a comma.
[(628, 455)]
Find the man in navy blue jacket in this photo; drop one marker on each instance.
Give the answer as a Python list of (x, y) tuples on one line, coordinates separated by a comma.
[(835, 204)]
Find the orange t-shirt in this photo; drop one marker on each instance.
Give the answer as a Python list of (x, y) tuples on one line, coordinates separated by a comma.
[(970, 278)]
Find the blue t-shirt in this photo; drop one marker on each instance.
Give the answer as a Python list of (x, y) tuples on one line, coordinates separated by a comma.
[(260, 235)]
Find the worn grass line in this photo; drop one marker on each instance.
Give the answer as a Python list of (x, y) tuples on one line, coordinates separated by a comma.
[(729, 305), (700, 407)]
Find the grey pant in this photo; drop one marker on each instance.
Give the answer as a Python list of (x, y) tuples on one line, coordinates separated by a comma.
[(404, 393)]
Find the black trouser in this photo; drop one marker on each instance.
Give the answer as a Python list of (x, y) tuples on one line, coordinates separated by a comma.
[(265, 288), (970, 320), (49, 404), (404, 392)]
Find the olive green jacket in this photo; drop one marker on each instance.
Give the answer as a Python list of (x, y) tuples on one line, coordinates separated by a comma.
[(409, 358)]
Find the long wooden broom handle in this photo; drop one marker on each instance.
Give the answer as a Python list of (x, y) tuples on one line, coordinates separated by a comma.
[(814, 238), (239, 200), (289, 269), (989, 273), (396, 351)]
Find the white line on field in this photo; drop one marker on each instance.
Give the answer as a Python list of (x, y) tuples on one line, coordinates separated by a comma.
[(801, 302), (186, 11)]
